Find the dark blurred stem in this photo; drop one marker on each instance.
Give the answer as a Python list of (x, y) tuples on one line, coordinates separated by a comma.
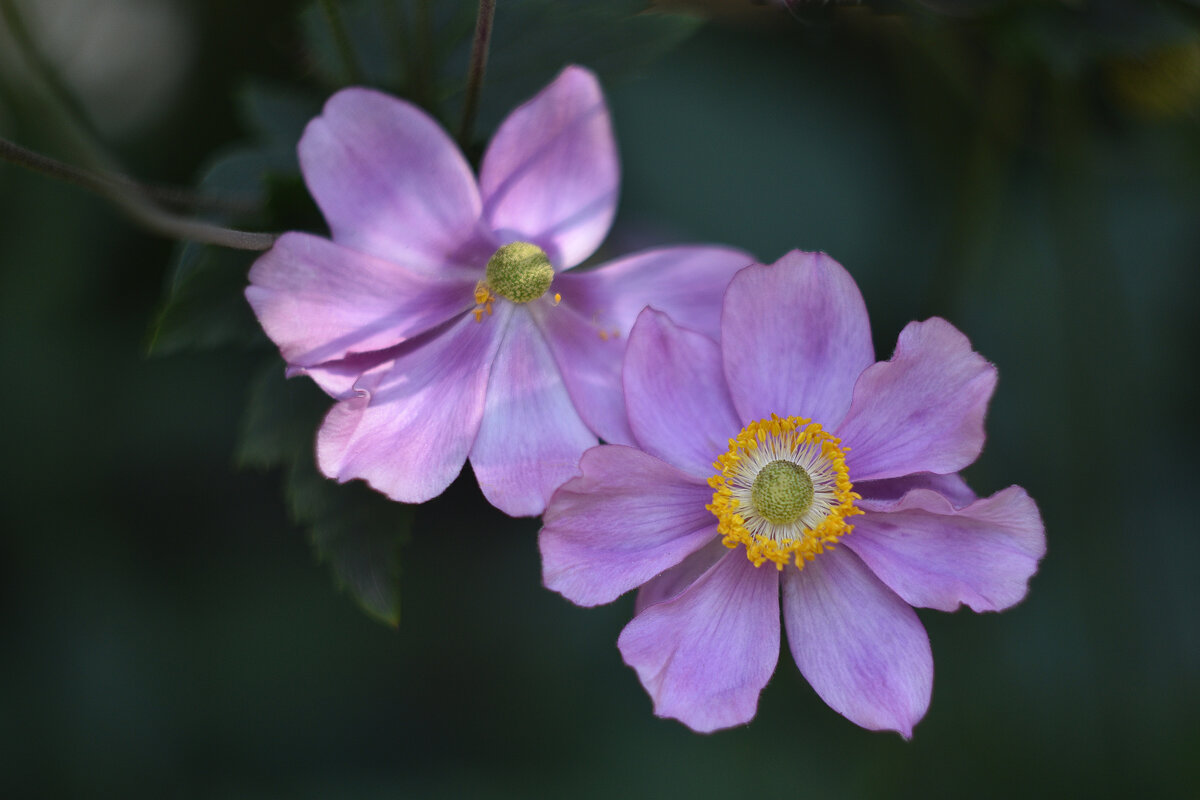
[(134, 202), (341, 39), (477, 68)]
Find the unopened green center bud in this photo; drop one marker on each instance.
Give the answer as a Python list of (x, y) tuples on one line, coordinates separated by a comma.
[(782, 492), (519, 272)]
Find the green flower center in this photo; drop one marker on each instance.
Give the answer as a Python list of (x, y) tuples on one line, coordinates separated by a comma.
[(519, 272), (782, 492)]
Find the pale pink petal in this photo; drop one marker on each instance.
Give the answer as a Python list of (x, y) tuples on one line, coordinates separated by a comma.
[(675, 393), (687, 283), (670, 583), (550, 175), (860, 646), (934, 556), (705, 655), (319, 301), (884, 495), (409, 431), (625, 519), (795, 337), (391, 183), (589, 360), (531, 436), (923, 410)]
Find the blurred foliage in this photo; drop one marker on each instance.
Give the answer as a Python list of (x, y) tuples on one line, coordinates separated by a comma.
[(1029, 170)]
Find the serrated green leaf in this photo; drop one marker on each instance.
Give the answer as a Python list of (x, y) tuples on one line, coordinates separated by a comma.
[(277, 114), (358, 532), (204, 307), (280, 422)]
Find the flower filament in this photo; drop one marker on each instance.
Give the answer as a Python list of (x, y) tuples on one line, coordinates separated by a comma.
[(782, 490)]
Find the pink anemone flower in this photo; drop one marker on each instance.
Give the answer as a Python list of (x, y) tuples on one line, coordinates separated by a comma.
[(784, 459), (443, 314)]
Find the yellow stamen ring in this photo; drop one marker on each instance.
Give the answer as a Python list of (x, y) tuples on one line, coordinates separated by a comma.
[(783, 491)]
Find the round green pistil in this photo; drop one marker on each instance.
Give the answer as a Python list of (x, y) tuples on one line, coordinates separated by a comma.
[(519, 272), (782, 492)]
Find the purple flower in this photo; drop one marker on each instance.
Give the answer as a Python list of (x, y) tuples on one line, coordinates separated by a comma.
[(438, 316), (758, 457)]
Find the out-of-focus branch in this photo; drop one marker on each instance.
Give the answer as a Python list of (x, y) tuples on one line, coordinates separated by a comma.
[(130, 198), (477, 68)]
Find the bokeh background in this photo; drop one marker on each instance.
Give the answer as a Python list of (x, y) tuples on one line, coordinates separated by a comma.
[(1030, 171)]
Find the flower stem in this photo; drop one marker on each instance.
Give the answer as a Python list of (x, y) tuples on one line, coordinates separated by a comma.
[(134, 201), (341, 39), (477, 68)]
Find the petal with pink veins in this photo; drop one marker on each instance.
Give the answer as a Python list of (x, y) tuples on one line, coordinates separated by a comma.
[(923, 410), (687, 283), (550, 174), (391, 183), (320, 302), (531, 436), (410, 428), (625, 519), (795, 337), (857, 643), (935, 556), (590, 363), (679, 409), (885, 494), (705, 655)]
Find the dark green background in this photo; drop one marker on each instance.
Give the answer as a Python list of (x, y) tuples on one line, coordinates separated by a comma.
[(166, 631)]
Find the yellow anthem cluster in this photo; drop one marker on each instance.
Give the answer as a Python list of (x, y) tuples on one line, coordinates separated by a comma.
[(783, 490), (518, 271)]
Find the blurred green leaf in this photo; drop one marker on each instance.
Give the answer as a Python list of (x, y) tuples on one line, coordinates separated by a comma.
[(280, 420), (534, 39), (425, 60), (389, 39), (277, 114), (358, 532), (204, 307)]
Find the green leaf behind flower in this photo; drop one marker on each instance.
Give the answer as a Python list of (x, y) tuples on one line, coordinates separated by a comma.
[(358, 532)]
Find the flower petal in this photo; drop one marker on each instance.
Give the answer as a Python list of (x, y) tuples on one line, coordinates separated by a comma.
[(923, 410), (319, 301), (591, 369), (679, 409), (936, 557), (687, 283), (886, 494), (674, 581), (626, 518), (409, 431), (705, 655), (795, 338), (550, 175), (531, 436), (860, 646), (391, 183)]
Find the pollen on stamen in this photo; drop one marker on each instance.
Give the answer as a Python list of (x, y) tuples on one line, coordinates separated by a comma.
[(483, 301), (782, 490)]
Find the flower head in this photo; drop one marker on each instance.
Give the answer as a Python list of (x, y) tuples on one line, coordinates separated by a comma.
[(444, 315), (785, 459)]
